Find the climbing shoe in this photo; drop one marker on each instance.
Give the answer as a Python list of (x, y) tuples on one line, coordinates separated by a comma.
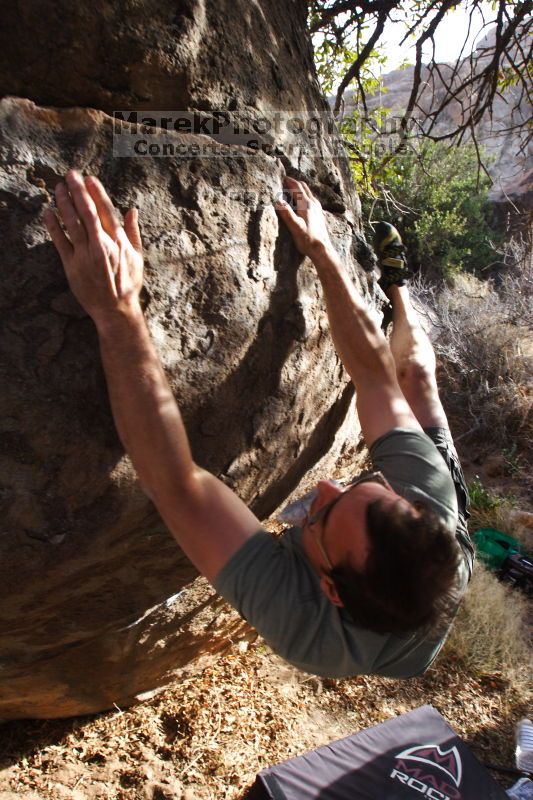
[(390, 251)]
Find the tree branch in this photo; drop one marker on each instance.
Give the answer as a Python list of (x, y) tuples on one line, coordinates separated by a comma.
[(363, 55), (473, 83)]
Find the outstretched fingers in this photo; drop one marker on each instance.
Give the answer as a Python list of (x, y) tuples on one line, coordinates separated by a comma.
[(69, 215), (104, 206), (305, 219), (63, 246), (300, 193), (83, 203), (288, 215), (307, 191), (131, 226)]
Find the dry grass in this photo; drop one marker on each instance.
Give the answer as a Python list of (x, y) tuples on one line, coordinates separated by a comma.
[(205, 738), (520, 525), (490, 635), (503, 512), (490, 509), (485, 349)]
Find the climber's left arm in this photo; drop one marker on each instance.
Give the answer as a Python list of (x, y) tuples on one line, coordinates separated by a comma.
[(358, 339), (103, 263)]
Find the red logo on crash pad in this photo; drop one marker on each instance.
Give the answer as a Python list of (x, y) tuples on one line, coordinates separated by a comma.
[(448, 761)]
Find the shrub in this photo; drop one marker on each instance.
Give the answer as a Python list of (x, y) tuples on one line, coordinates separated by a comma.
[(442, 209), (482, 338), (488, 509), (483, 501), (502, 512)]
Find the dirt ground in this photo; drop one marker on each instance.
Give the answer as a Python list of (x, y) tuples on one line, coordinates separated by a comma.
[(207, 737)]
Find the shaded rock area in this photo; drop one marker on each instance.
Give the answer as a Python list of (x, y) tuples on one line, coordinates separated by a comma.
[(98, 604)]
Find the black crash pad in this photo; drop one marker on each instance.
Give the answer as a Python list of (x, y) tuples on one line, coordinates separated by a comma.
[(415, 756)]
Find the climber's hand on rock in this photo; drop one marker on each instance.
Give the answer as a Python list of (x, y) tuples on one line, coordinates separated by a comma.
[(307, 223), (102, 259)]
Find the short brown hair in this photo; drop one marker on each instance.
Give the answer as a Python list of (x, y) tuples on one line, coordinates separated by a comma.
[(410, 574)]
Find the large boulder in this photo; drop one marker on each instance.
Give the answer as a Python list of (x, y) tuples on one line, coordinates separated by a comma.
[(98, 603)]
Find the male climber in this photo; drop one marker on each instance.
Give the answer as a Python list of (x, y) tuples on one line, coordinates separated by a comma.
[(371, 579)]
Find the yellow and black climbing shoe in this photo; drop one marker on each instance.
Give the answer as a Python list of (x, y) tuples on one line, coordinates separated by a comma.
[(390, 251)]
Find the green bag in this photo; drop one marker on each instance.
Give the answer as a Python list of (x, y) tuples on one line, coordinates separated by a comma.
[(493, 547)]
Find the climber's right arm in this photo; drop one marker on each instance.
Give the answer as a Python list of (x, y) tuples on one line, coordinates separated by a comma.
[(103, 264), (209, 521)]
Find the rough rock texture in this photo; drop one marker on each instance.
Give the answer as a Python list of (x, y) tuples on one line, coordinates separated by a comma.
[(88, 573)]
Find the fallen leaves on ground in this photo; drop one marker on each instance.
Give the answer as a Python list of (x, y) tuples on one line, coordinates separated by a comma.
[(207, 736)]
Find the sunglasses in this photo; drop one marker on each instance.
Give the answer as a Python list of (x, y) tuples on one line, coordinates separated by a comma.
[(324, 511)]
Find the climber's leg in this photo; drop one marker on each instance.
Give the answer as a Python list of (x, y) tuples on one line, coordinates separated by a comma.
[(416, 371), (415, 360)]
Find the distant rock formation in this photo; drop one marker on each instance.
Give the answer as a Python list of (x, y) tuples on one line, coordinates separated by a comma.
[(510, 169), (97, 602)]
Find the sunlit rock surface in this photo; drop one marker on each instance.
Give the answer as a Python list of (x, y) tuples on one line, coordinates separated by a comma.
[(86, 565)]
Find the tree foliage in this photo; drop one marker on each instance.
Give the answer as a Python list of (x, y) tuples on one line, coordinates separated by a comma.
[(358, 128), (441, 209), (473, 81), (431, 188)]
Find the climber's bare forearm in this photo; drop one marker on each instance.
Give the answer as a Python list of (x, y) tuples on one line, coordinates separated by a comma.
[(104, 265), (146, 414), (359, 341), (361, 345), (207, 519), (363, 349)]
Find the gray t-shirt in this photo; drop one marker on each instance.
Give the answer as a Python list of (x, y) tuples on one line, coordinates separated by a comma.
[(274, 586)]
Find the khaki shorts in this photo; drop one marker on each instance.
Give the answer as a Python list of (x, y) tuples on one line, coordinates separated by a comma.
[(442, 439)]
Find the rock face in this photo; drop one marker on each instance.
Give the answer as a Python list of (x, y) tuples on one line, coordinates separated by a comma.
[(98, 604)]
